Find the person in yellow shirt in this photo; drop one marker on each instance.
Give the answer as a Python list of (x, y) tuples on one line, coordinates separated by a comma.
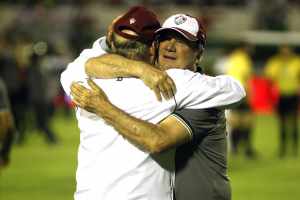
[(239, 65), (283, 69)]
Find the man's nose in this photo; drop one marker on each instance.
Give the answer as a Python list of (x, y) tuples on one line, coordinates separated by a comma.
[(171, 45)]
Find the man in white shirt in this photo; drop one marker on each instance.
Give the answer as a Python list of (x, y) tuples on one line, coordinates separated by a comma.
[(110, 167)]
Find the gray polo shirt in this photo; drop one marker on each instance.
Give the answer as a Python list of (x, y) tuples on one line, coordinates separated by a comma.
[(201, 164)]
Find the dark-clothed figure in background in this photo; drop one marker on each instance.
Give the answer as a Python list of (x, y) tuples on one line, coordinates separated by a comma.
[(38, 90), (239, 65), (283, 69), (82, 33), (14, 79), (7, 127)]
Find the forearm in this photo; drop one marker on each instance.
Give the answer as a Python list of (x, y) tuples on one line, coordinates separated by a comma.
[(112, 65), (146, 136), (149, 137)]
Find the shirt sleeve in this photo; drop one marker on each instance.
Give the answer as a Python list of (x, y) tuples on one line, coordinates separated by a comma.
[(197, 91), (200, 121), (75, 70)]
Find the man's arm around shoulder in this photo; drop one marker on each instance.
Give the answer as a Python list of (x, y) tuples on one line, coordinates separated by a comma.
[(153, 138)]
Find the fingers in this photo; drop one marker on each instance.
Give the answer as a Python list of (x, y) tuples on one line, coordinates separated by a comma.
[(172, 85), (157, 93), (78, 89), (93, 85), (97, 89), (163, 90), (76, 86), (167, 88), (80, 94), (77, 103)]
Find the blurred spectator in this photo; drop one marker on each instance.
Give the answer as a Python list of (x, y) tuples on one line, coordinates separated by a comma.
[(183, 2), (38, 89), (52, 64), (272, 15), (283, 70), (239, 65), (7, 128), (221, 64), (263, 95), (82, 33), (14, 77)]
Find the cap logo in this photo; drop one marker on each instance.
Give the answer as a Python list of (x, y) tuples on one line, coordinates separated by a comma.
[(180, 19), (132, 21)]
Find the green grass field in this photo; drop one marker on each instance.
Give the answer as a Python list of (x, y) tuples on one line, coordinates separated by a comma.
[(39, 171)]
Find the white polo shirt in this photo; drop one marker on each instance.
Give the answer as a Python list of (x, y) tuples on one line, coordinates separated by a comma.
[(111, 168)]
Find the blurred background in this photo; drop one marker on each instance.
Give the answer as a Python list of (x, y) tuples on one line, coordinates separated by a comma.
[(257, 42)]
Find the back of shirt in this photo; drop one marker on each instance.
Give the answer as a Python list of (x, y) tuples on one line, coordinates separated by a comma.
[(133, 172), (109, 165)]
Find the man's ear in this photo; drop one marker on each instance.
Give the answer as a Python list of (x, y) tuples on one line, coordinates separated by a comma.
[(110, 29), (199, 55), (109, 34), (154, 51), (112, 46), (198, 59)]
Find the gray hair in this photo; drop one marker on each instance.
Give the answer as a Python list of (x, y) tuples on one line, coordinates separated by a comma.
[(131, 49)]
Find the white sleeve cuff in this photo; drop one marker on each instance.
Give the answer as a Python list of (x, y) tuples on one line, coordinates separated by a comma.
[(186, 125)]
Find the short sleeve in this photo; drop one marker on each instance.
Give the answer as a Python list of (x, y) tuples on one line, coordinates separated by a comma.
[(197, 91), (200, 121)]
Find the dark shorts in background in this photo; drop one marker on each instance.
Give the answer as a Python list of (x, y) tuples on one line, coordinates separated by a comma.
[(242, 107), (288, 104)]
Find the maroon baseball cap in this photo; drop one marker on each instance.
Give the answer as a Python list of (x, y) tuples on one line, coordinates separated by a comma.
[(140, 20)]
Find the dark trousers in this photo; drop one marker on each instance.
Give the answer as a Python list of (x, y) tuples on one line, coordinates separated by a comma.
[(7, 145), (242, 135), (41, 115), (288, 120), (19, 107)]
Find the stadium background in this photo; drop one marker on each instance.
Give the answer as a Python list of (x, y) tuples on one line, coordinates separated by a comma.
[(39, 170)]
